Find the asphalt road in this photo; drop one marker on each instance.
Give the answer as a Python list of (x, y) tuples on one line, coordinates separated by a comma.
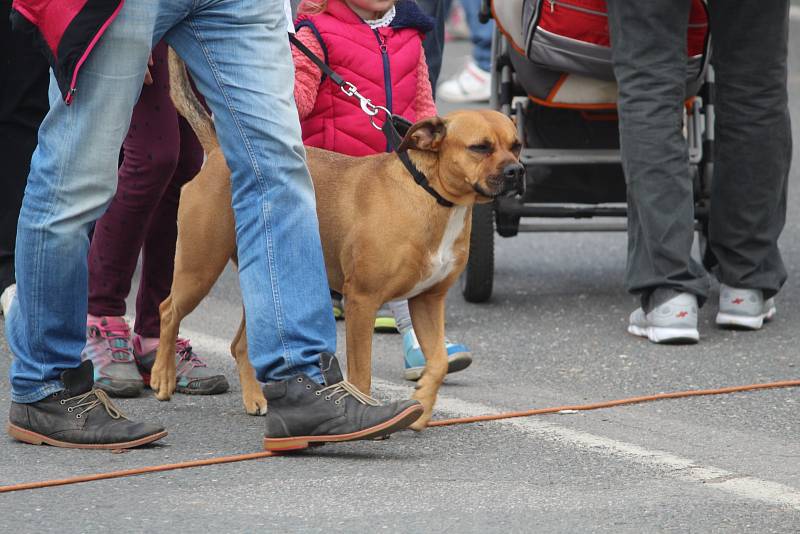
[(553, 334)]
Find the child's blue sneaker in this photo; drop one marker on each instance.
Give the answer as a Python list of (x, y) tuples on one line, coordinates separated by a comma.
[(458, 357)]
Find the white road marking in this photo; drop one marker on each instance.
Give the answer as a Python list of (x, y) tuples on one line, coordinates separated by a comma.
[(685, 469)]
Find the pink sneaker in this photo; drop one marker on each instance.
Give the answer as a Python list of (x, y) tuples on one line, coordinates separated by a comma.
[(108, 346), (192, 375)]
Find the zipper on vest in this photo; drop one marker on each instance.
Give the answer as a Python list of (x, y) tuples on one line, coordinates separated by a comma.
[(387, 75), (567, 5)]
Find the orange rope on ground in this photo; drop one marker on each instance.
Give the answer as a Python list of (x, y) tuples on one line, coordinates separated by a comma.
[(434, 423), (620, 402)]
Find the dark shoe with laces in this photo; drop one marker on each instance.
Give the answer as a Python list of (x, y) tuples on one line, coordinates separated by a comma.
[(301, 412), (80, 417)]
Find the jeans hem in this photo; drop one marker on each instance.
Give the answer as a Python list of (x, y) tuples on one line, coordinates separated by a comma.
[(42, 392)]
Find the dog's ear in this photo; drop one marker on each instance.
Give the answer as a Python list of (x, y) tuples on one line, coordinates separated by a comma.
[(424, 135)]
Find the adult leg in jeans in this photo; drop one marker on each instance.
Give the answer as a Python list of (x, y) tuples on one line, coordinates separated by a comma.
[(72, 179), (753, 143), (480, 34), (473, 83), (281, 270), (240, 59), (649, 53), (23, 104)]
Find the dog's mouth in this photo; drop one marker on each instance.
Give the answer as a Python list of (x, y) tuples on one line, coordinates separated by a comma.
[(495, 186)]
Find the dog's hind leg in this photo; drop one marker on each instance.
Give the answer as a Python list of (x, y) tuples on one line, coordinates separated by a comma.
[(252, 396), (427, 316), (361, 310)]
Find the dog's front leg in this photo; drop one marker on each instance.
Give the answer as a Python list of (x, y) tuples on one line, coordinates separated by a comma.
[(162, 375), (427, 316), (360, 321)]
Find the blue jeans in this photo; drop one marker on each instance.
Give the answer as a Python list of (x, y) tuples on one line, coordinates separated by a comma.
[(434, 40), (480, 34), (239, 56)]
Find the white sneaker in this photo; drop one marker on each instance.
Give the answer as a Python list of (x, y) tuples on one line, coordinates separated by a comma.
[(744, 308), (7, 297), (674, 321), (473, 84)]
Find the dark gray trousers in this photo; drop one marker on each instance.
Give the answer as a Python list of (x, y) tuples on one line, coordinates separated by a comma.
[(753, 143)]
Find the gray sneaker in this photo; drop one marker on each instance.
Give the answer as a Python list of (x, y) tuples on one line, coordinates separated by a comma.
[(108, 346), (674, 321), (744, 308)]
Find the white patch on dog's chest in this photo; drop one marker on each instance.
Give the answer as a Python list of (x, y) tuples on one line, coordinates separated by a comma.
[(443, 258)]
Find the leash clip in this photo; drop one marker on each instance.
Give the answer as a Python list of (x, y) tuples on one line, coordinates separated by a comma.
[(370, 109)]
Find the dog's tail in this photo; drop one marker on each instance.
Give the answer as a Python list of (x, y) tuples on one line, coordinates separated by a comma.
[(188, 105)]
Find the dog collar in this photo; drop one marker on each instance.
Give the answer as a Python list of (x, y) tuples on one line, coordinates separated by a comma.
[(390, 129)]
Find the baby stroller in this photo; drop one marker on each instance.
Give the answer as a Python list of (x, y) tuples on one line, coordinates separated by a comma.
[(551, 72)]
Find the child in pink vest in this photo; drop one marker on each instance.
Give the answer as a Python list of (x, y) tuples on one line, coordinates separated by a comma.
[(377, 46)]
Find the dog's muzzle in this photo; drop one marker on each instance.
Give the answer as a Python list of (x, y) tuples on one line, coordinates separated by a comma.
[(514, 178)]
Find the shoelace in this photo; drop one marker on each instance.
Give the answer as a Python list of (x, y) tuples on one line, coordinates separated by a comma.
[(345, 388), (92, 399), (186, 354), (118, 342)]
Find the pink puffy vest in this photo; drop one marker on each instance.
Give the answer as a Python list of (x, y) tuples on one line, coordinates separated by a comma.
[(381, 63)]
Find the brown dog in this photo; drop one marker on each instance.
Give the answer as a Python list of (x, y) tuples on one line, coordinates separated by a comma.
[(402, 244)]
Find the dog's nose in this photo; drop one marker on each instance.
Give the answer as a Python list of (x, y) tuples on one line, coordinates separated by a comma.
[(514, 177)]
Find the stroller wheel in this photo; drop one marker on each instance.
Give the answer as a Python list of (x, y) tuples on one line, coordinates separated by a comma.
[(478, 276)]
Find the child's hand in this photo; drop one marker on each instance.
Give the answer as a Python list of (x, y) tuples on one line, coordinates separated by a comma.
[(148, 78)]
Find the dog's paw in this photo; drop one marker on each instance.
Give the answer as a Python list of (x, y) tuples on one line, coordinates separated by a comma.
[(421, 424), (162, 383), (427, 400), (256, 405)]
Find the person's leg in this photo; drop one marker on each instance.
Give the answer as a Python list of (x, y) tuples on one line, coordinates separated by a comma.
[(458, 354), (650, 64), (72, 179), (649, 53), (480, 34), (434, 41), (150, 158), (150, 154), (753, 143), (473, 83), (69, 186), (281, 269), (193, 376), (23, 103)]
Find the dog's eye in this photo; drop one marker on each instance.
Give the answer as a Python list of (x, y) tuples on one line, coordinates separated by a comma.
[(515, 148), (481, 148)]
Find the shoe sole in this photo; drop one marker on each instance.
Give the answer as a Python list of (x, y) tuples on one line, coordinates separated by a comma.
[(744, 322), (211, 386), (386, 325), (33, 438), (127, 391), (218, 385), (457, 362), (296, 443), (666, 336)]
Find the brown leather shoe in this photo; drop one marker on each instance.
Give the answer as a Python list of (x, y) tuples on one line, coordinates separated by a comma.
[(301, 412), (80, 417)]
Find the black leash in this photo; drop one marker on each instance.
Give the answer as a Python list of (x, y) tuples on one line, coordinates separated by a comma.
[(394, 127)]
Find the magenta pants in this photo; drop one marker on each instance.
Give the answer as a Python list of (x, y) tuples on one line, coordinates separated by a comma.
[(160, 154)]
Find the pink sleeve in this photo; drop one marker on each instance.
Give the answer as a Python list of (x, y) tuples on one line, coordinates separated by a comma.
[(424, 105), (307, 76)]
